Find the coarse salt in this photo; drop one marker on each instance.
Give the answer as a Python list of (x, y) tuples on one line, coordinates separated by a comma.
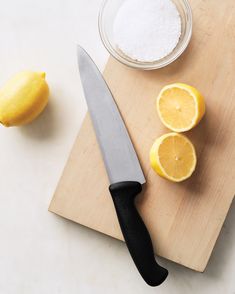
[(147, 30)]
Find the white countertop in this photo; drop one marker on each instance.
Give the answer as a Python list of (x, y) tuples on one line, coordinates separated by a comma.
[(41, 253)]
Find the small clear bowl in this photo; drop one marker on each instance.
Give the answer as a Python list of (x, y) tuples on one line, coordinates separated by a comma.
[(108, 11)]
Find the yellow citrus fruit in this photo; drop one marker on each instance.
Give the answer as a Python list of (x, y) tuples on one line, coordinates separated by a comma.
[(180, 107), (173, 157), (23, 98)]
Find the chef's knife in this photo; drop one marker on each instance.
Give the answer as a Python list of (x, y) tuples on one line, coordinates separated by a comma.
[(123, 168)]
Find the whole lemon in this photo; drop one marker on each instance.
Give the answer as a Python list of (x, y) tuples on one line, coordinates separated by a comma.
[(23, 98)]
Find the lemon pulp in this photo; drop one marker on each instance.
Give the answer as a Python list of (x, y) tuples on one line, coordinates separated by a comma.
[(173, 157), (180, 107)]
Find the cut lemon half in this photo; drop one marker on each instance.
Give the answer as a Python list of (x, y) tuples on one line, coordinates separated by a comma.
[(173, 157), (180, 107)]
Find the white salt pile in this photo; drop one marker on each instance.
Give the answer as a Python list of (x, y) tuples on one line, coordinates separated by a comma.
[(147, 30)]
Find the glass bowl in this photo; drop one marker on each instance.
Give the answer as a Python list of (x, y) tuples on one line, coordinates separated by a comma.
[(107, 14)]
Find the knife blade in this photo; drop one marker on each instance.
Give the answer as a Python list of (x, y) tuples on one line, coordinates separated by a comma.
[(118, 152), (122, 165)]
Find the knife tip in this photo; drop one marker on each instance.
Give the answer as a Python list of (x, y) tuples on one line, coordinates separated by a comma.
[(79, 48), (80, 52)]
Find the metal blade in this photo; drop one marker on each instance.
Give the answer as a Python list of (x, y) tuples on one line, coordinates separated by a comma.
[(118, 152)]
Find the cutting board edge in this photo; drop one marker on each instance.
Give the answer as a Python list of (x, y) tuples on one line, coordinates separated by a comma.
[(93, 228), (200, 269)]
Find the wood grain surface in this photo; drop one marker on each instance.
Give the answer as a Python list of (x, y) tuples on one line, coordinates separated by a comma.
[(184, 219)]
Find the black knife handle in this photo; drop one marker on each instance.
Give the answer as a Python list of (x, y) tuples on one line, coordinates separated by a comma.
[(135, 232)]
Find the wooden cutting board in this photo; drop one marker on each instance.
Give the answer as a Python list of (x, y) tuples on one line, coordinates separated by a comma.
[(184, 219)]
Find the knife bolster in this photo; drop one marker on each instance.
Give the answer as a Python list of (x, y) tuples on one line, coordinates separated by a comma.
[(127, 190)]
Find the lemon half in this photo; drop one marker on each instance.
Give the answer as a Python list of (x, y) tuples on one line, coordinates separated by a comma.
[(23, 98), (173, 157), (180, 107)]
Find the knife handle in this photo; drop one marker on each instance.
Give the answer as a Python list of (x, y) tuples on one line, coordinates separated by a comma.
[(135, 232)]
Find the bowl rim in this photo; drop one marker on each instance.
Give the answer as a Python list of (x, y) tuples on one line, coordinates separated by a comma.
[(139, 64)]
